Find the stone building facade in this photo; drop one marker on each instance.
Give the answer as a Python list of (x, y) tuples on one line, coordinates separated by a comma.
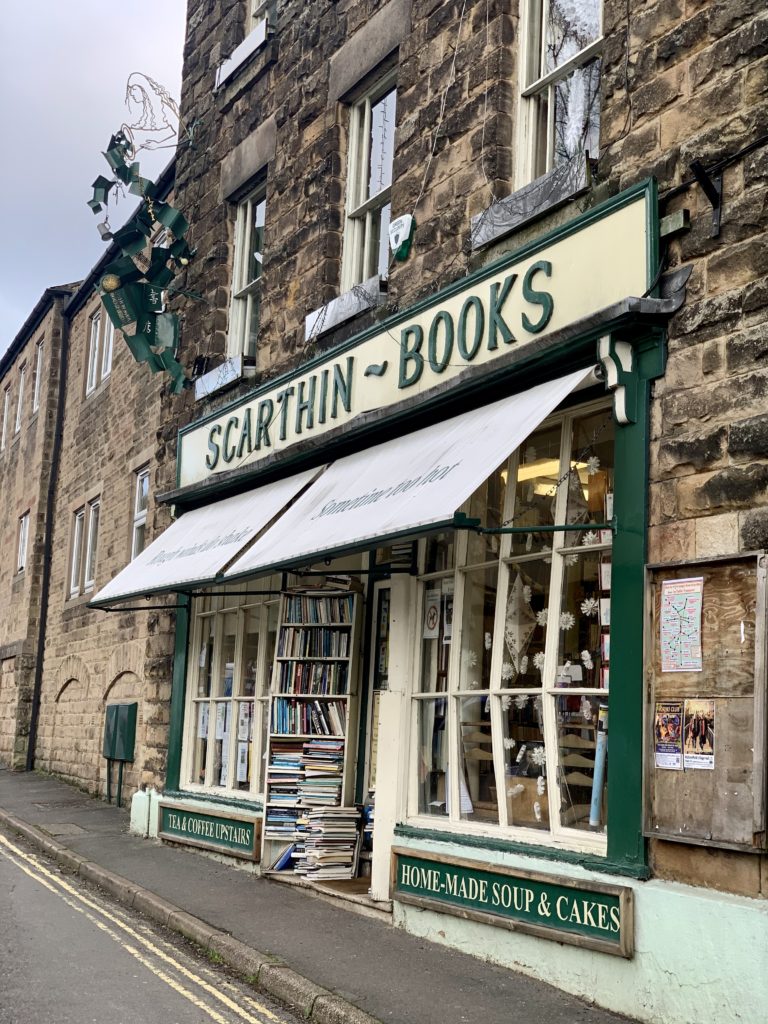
[(29, 376), (306, 129)]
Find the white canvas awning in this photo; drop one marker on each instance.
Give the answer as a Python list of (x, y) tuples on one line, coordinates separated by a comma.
[(198, 546), (404, 486)]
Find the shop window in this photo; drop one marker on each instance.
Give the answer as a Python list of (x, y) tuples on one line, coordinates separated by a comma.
[(246, 276), (101, 340), (513, 676), (233, 646), (560, 85), (369, 182), (140, 505), (39, 350), (85, 536), (20, 400), (6, 408), (21, 559)]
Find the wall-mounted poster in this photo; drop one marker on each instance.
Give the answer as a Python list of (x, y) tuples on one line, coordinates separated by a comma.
[(680, 625), (432, 603), (699, 734), (668, 734)]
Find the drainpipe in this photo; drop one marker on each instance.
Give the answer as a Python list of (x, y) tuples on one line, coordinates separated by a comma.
[(45, 583)]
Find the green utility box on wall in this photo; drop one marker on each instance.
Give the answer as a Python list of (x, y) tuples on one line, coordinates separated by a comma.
[(120, 731)]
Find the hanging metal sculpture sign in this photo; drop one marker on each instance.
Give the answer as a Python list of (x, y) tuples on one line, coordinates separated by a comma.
[(132, 285)]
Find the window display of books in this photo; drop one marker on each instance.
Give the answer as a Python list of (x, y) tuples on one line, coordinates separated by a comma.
[(310, 759)]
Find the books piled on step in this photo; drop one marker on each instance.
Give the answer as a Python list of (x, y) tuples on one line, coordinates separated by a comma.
[(330, 843)]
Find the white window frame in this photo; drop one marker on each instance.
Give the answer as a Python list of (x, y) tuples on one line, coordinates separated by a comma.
[(557, 836), (21, 557), (244, 291), (92, 374), (84, 547), (107, 347), (101, 343), (39, 350), (532, 86), (92, 542), (139, 514), (216, 606), (76, 551), (20, 402), (6, 409), (360, 243)]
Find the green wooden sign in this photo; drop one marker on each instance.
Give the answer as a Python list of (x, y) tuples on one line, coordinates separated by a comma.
[(593, 914), (237, 837)]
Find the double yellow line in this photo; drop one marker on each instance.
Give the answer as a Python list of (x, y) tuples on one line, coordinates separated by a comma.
[(139, 946)]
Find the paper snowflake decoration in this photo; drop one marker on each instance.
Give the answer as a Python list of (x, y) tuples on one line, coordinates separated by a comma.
[(474, 685), (590, 606), (488, 641), (529, 542), (571, 559), (510, 744), (586, 660), (537, 810), (593, 464), (547, 554), (506, 703), (567, 621), (538, 756), (542, 616), (514, 791), (538, 660), (537, 704), (471, 659), (520, 701), (590, 537), (523, 664), (586, 710), (527, 594), (541, 785), (507, 671)]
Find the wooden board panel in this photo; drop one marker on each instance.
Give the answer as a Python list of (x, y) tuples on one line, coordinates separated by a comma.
[(699, 805)]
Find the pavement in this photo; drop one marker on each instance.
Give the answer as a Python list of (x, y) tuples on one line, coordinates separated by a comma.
[(324, 960)]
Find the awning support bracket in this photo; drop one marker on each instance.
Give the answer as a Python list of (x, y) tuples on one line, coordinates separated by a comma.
[(464, 522)]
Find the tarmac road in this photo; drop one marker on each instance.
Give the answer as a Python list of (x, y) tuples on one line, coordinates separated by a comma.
[(70, 956)]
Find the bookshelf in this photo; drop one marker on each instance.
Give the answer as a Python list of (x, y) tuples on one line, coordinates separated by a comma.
[(311, 749)]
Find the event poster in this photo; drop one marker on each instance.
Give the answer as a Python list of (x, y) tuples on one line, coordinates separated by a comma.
[(668, 734), (680, 625), (699, 734)]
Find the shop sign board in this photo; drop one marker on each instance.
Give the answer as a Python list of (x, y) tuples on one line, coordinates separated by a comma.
[(591, 914), (542, 288), (226, 832)]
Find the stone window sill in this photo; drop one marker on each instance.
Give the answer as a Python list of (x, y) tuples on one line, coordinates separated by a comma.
[(242, 54), (362, 297), (542, 196)]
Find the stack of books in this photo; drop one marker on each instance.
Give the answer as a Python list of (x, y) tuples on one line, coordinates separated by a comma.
[(284, 776), (330, 845)]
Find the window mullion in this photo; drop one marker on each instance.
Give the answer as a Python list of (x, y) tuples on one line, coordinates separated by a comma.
[(497, 727), (218, 625)]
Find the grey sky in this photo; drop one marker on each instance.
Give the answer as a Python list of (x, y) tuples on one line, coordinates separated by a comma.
[(63, 72)]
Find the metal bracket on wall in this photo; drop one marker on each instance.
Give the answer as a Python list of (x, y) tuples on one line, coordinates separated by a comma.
[(712, 186)]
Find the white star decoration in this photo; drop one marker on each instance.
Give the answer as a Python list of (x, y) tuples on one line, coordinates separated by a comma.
[(589, 606), (567, 621), (538, 756), (593, 464), (507, 671), (586, 660), (542, 616), (538, 660), (590, 537)]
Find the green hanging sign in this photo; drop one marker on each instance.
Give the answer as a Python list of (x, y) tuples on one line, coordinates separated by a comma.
[(131, 286)]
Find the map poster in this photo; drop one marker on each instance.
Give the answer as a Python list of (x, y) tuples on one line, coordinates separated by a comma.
[(668, 734), (699, 734), (681, 625)]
